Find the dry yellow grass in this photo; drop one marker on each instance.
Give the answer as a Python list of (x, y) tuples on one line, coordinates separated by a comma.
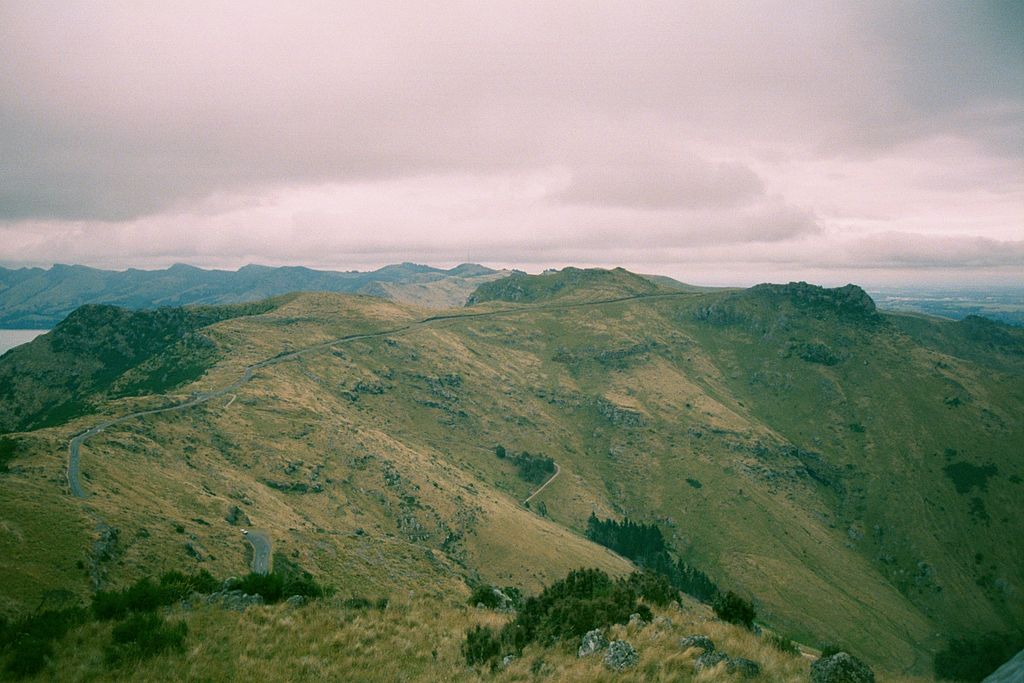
[(414, 639)]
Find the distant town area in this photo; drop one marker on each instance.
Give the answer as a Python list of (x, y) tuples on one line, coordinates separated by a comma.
[(1005, 304)]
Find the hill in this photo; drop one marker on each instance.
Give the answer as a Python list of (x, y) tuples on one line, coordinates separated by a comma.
[(856, 475), (34, 298), (567, 284)]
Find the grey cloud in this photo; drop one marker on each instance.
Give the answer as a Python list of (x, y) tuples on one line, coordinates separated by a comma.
[(110, 111), (692, 184), (907, 250)]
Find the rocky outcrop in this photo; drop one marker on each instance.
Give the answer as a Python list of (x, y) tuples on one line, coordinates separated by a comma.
[(709, 660), (743, 667), (236, 516), (104, 549), (702, 642), (620, 656), (234, 600), (593, 641), (841, 668)]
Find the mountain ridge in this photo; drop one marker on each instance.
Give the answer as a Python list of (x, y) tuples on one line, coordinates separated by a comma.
[(36, 298)]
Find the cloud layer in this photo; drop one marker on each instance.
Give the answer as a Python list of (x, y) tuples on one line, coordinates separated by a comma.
[(523, 133)]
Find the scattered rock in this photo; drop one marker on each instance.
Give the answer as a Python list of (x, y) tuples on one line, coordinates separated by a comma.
[(841, 668), (702, 642), (235, 517), (709, 660), (744, 667), (620, 656), (296, 601), (593, 641), (636, 620), (104, 549), (234, 600)]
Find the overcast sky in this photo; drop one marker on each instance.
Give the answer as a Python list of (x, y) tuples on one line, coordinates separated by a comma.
[(729, 143)]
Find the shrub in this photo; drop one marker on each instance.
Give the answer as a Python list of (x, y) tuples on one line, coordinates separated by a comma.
[(734, 609), (270, 586), (654, 588), (535, 469), (145, 596), (499, 451), (181, 585), (109, 605), (144, 635), (8, 449), (783, 644), (482, 646), (484, 595), (357, 602), (584, 600), (829, 649), (28, 657), (972, 658), (31, 639)]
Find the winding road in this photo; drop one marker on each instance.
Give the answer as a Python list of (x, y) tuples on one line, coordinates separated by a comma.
[(76, 442), (260, 543), (544, 485), (259, 540)]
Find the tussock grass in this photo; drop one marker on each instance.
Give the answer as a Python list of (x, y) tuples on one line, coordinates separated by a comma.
[(416, 639)]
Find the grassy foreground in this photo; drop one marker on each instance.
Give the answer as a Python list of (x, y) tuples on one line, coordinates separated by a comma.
[(413, 639)]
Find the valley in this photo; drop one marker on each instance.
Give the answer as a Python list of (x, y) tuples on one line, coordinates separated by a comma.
[(855, 473)]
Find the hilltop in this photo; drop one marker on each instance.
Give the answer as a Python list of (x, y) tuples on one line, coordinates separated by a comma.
[(853, 472), (567, 284)]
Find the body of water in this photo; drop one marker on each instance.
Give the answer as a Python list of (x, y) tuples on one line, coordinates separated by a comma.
[(11, 338)]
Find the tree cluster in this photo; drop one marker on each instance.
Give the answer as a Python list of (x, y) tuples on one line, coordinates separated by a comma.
[(645, 545), (535, 469)]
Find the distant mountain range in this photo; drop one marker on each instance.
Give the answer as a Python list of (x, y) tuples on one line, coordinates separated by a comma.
[(37, 298)]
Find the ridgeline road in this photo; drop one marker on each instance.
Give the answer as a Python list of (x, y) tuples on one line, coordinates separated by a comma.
[(260, 543), (76, 442), (544, 485)]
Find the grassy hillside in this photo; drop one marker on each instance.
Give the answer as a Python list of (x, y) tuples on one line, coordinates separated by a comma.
[(857, 478), (101, 352)]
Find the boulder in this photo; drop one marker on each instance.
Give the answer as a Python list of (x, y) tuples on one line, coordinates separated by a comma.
[(593, 641), (296, 601), (620, 656), (841, 668), (709, 660), (743, 667), (703, 642), (636, 620), (662, 622), (234, 600), (506, 660)]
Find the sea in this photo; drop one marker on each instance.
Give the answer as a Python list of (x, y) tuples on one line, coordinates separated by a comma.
[(11, 338)]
